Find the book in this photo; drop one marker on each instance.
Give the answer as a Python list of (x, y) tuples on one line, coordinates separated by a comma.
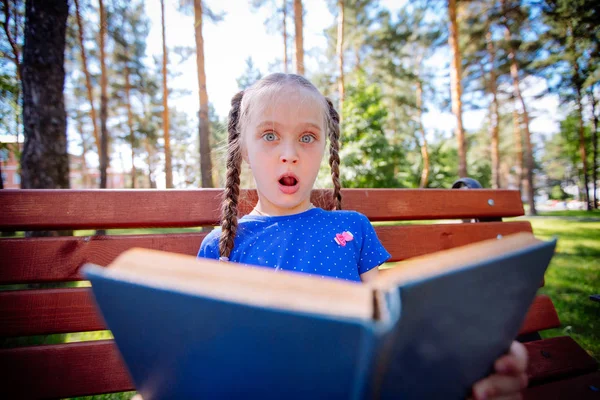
[(428, 328)]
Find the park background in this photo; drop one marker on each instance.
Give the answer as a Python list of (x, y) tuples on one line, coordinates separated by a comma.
[(504, 91)]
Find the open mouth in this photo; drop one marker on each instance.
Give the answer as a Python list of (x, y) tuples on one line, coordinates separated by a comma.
[(288, 183)]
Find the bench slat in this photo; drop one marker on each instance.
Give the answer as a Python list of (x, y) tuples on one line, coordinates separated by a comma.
[(59, 258), (541, 315), (557, 358), (47, 311), (583, 387), (39, 209), (64, 370)]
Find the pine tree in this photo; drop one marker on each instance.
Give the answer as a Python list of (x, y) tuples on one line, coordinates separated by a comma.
[(574, 42), (277, 21), (44, 162), (200, 11), (166, 135), (103, 151), (299, 38), (455, 81)]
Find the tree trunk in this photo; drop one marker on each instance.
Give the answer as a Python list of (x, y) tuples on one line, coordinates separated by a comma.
[(84, 150), (285, 49), (167, 136), (148, 148), (528, 167), (514, 72), (494, 114), (45, 161), (424, 151), (595, 147), (518, 146), (204, 127), (130, 122), (455, 81), (340, 52), (1, 177), (582, 150), (103, 152), (299, 39), (88, 80)]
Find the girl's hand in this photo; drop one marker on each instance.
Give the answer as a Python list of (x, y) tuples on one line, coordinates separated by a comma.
[(508, 380)]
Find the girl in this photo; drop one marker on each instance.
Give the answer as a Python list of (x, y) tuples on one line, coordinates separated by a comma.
[(279, 127)]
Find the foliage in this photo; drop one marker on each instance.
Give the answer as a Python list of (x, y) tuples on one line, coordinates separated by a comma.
[(250, 75), (370, 157)]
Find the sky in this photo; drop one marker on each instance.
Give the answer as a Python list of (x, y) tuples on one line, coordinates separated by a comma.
[(242, 34)]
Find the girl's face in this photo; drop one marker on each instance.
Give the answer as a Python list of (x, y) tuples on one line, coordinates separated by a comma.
[(283, 143)]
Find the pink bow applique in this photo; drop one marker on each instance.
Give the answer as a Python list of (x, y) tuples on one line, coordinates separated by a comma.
[(342, 238)]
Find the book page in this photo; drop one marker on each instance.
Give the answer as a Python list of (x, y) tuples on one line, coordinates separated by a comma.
[(244, 284), (450, 260)]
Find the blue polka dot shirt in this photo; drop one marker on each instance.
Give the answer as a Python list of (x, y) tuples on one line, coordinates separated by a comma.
[(336, 244)]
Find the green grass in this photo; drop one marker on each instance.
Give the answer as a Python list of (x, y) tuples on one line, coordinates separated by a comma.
[(573, 275), (571, 213)]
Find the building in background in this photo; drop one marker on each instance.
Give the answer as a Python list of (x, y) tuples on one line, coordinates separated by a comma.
[(80, 176)]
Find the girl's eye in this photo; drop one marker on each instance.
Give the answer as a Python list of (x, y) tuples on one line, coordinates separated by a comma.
[(307, 139), (269, 137)]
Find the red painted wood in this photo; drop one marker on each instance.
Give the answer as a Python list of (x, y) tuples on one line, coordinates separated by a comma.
[(59, 258), (65, 370), (89, 209), (47, 311), (583, 387), (557, 358), (541, 315)]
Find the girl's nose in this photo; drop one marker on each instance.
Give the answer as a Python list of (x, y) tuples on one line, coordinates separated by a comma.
[(292, 159), (289, 154)]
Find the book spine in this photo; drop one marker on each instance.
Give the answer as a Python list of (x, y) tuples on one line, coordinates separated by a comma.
[(390, 306)]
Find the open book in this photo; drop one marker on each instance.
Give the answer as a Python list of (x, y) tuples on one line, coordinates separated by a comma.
[(428, 328)]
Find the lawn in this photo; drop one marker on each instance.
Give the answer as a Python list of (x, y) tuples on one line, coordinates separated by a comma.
[(574, 275)]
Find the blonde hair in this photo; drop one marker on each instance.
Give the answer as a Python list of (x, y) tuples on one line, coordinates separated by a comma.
[(238, 116)]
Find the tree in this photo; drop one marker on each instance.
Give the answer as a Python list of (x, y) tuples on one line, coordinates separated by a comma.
[(594, 104), (513, 15), (44, 162), (10, 78), (340, 52), (455, 82), (574, 41), (278, 21), (128, 31), (88, 81), (168, 165), (250, 75), (371, 158), (103, 151), (199, 11), (298, 25)]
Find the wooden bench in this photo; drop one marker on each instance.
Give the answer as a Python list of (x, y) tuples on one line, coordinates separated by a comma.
[(558, 368)]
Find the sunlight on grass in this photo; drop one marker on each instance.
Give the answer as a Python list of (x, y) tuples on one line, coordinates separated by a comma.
[(573, 276)]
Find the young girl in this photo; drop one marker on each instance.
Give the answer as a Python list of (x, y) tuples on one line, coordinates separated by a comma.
[(279, 127)]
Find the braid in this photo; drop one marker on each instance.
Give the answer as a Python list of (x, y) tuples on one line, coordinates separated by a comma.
[(232, 184), (334, 157)]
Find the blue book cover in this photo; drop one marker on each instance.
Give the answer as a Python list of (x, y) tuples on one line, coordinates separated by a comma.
[(429, 328)]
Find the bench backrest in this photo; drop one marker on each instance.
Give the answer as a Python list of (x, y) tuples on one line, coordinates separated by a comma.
[(73, 369)]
